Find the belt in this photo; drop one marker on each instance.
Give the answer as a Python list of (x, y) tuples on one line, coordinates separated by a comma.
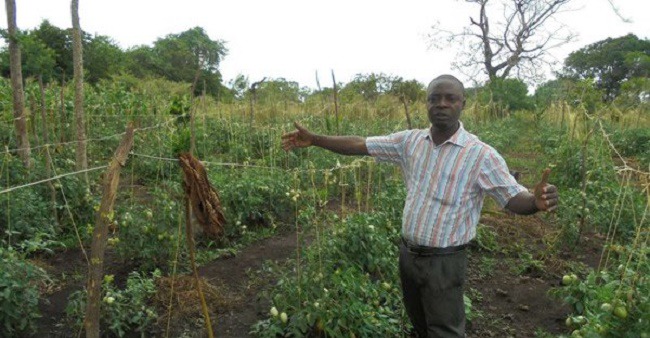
[(420, 250)]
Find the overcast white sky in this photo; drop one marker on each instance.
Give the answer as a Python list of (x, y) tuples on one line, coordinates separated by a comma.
[(295, 38)]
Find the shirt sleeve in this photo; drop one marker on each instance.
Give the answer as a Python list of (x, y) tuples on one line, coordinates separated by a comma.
[(495, 179), (389, 148)]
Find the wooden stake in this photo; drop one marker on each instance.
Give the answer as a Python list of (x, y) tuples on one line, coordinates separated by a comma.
[(336, 103), (190, 244), (100, 234)]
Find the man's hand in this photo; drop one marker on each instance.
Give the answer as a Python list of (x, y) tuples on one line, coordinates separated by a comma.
[(298, 138), (345, 145), (545, 194)]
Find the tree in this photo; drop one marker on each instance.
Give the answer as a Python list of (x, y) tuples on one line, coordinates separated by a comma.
[(140, 61), (407, 92), (190, 56), (572, 91), (634, 92), (516, 44), (238, 86), (511, 94), (59, 41), (610, 63), (274, 90), (22, 138), (102, 58), (36, 58), (368, 86)]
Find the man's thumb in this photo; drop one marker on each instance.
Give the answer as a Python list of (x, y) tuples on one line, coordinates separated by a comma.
[(545, 175), (298, 126)]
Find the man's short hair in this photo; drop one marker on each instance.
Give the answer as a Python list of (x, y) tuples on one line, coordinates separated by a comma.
[(450, 78)]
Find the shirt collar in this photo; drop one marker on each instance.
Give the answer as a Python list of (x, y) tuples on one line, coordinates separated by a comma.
[(460, 137)]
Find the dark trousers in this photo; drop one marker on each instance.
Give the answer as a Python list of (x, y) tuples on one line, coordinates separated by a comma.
[(432, 287)]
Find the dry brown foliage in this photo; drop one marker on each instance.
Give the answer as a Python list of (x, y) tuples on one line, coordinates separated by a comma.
[(203, 197)]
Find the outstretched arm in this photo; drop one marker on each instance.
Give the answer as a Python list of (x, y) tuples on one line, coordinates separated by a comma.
[(543, 198), (345, 145)]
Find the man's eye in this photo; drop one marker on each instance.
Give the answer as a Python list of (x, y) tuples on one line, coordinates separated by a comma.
[(453, 98)]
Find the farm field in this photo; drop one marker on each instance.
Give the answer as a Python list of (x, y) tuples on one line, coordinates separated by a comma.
[(309, 242)]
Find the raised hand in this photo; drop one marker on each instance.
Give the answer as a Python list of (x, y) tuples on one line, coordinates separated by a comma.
[(298, 138), (546, 196)]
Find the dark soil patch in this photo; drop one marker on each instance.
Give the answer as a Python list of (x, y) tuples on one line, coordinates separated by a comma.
[(232, 276), (69, 270), (235, 274), (509, 286)]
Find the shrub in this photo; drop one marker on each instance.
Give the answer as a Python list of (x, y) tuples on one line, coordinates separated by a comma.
[(253, 197), (349, 285), (19, 294), (122, 311), (148, 233), (612, 302), (512, 94), (633, 142)]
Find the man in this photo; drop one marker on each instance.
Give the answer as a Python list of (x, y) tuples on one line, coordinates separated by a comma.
[(447, 172)]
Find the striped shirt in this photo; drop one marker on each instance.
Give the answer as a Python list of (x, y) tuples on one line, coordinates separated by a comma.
[(445, 183)]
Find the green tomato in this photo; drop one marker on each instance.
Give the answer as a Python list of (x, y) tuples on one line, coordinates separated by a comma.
[(620, 312), (606, 307), (566, 280), (568, 322)]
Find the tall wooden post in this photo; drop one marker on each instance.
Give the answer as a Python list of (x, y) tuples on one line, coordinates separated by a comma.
[(22, 138), (77, 59), (100, 234), (336, 103)]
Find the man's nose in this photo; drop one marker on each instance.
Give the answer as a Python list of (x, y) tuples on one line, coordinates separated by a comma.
[(443, 102)]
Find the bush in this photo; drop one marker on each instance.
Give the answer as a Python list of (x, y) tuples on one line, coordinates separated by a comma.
[(147, 235), (633, 142), (122, 311), (253, 197), (349, 286), (511, 94), (27, 214), (19, 294), (611, 302)]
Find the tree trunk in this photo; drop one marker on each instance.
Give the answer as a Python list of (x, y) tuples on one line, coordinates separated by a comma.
[(77, 58), (22, 138), (100, 234)]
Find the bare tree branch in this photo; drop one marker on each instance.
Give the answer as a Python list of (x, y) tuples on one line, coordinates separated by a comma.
[(500, 42), (618, 12)]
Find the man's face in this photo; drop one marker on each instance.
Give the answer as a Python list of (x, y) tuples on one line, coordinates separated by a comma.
[(445, 101)]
